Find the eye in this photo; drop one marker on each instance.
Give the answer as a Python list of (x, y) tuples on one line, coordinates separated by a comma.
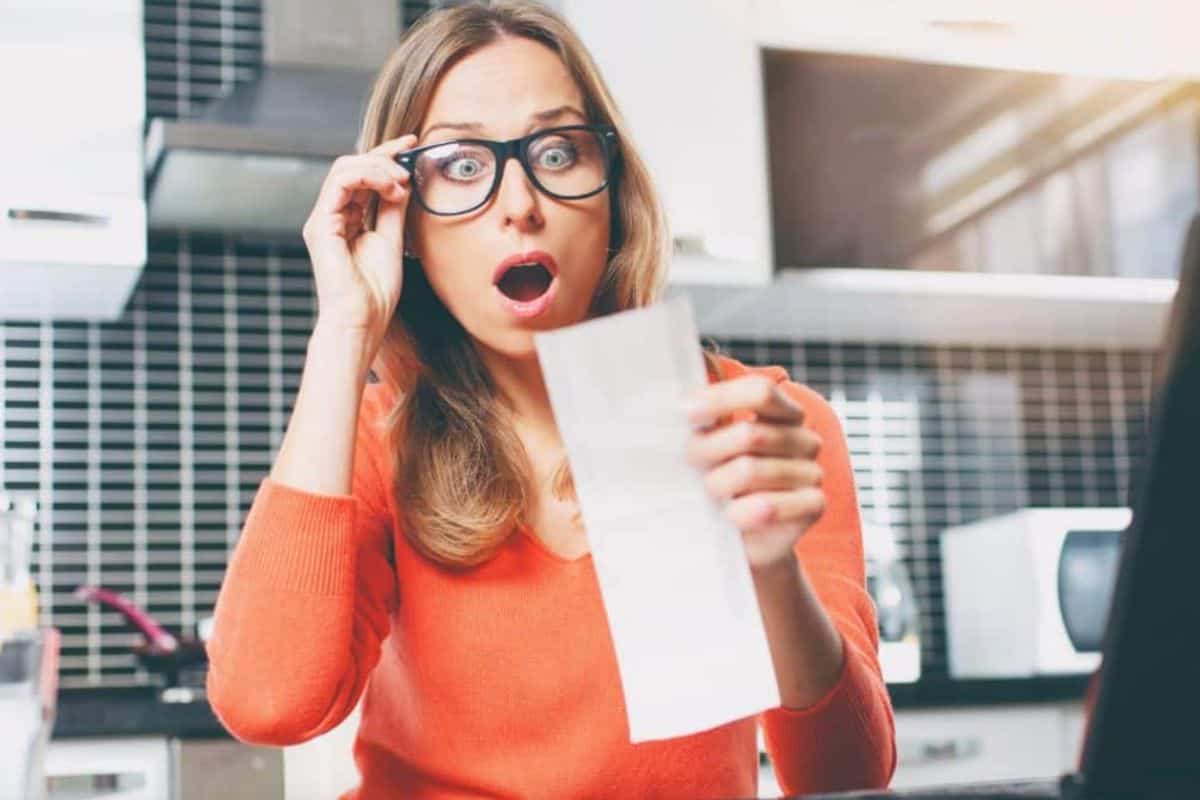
[(556, 155), (461, 167), (455, 161)]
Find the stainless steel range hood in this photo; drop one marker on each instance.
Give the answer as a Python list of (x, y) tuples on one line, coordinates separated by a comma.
[(253, 162)]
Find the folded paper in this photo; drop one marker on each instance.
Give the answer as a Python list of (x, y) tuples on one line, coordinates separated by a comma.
[(672, 570)]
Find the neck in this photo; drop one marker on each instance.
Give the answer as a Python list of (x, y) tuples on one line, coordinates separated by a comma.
[(520, 380)]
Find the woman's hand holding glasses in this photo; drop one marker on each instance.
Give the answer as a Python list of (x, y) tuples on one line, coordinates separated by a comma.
[(359, 272)]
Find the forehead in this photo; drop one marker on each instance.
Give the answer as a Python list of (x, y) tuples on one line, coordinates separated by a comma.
[(501, 86)]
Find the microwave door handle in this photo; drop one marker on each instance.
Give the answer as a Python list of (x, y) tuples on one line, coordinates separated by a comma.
[(51, 215)]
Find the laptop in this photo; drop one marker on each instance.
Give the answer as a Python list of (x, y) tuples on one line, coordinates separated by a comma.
[(1143, 736)]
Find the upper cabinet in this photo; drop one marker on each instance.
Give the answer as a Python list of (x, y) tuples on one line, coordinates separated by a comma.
[(891, 163), (1152, 39), (72, 214), (925, 171), (687, 76)]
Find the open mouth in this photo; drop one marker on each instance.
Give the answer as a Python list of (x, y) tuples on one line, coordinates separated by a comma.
[(525, 282)]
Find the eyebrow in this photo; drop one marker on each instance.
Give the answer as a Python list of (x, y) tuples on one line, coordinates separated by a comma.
[(541, 116)]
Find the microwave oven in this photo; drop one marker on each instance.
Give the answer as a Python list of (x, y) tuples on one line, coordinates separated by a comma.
[(1028, 593)]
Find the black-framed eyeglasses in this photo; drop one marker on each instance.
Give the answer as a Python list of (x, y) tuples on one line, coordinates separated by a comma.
[(570, 162)]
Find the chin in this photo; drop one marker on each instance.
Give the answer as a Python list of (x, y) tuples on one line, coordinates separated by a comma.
[(512, 337), (516, 345)]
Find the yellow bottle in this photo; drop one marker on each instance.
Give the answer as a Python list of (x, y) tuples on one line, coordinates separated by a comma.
[(18, 607), (18, 592)]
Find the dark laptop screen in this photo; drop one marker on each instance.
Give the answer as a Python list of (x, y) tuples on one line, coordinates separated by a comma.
[(1144, 739)]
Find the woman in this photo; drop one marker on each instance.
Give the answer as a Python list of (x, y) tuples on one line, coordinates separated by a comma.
[(417, 542)]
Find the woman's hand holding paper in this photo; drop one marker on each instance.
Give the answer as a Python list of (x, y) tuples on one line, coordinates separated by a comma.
[(762, 467)]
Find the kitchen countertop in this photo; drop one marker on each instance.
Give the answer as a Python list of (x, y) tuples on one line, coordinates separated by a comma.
[(139, 711), (1017, 790), (944, 691), (132, 711)]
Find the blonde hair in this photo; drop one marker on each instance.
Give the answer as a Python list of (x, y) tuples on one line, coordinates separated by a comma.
[(463, 479)]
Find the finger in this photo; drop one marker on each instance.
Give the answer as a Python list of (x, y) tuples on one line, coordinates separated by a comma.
[(388, 163), (341, 187), (747, 474), (361, 197), (346, 229), (369, 165), (709, 448), (389, 216), (392, 147), (756, 393), (352, 217), (772, 508)]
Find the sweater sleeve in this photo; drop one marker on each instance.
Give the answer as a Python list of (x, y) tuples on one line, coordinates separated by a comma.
[(306, 601), (846, 740)]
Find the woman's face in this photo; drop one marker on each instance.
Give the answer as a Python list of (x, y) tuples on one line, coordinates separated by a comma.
[(502, 92)]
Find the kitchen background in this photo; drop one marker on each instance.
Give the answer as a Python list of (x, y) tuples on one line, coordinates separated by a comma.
[(144, 439)]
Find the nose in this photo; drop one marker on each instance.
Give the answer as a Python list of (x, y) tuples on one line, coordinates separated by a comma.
[(517, 197)]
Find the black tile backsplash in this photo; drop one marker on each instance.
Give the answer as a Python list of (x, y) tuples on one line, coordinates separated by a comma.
[(145, 439), (942, 436)]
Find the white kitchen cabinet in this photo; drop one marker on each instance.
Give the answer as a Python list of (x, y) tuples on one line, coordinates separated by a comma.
[(1072, 720), (687, 76), (124, 768), (964, 745), (985, 743), (940, 308), (323, 766), (72, 214), (1043, 37), (228, 769), (158, 767)]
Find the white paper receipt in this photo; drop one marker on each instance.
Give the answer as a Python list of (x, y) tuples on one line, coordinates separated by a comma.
[(674, 580)]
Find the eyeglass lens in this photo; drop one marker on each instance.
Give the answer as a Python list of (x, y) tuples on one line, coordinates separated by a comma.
[(458, 176)]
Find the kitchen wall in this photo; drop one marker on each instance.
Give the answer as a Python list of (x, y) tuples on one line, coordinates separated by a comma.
[(144, 439), (948, 435)]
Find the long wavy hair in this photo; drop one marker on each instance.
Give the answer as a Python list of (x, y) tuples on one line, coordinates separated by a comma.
[(463, 479)]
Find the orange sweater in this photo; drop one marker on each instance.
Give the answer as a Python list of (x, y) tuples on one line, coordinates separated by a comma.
[(502, 681)]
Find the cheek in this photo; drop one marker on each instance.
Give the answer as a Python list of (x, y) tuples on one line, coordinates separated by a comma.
[(590, 234), (419, 230), (452, 260)]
